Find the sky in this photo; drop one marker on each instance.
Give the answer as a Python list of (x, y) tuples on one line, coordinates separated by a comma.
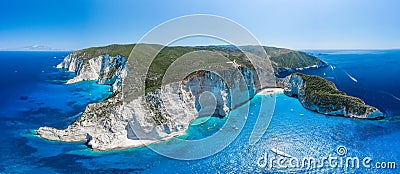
[(296, 24)]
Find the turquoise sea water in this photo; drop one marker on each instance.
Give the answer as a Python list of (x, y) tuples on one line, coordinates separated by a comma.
[(36, 95)]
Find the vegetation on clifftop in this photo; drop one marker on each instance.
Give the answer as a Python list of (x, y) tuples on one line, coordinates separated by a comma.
[(324, 93), (295, 59), (281, 57), (169, 54), (112, 50), (286, 58)]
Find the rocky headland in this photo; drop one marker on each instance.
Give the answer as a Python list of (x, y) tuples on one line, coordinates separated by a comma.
[(165, 110), (322, 96)]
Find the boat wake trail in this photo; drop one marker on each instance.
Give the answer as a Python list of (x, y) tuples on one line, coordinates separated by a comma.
[(348, 75), (397, 98), (332, 67), (278, 152), (351, 77), (393, 96)]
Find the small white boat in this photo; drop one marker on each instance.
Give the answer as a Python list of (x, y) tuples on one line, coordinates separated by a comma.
[(281, 153)]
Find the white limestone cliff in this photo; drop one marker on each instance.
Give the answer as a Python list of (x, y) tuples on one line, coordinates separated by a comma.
[(154, 117), (105, 69)]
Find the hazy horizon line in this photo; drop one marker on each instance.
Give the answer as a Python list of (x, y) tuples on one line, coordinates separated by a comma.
[(25, 48)]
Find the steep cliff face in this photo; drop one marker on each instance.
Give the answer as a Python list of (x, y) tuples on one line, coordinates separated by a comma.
[(320, 95), (158, 115), (164, 111), (105, 69)]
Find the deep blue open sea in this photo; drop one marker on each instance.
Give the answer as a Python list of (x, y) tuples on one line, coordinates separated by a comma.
[(33, 94)]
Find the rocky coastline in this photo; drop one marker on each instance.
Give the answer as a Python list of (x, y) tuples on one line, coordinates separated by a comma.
[(157, 116), (322, 96), (168, 110)]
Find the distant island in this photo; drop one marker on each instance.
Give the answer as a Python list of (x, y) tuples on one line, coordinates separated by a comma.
[(34, 48), (113, 124)]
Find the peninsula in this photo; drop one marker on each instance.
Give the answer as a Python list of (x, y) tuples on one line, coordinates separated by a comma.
[(320, 95), (167, 109)]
